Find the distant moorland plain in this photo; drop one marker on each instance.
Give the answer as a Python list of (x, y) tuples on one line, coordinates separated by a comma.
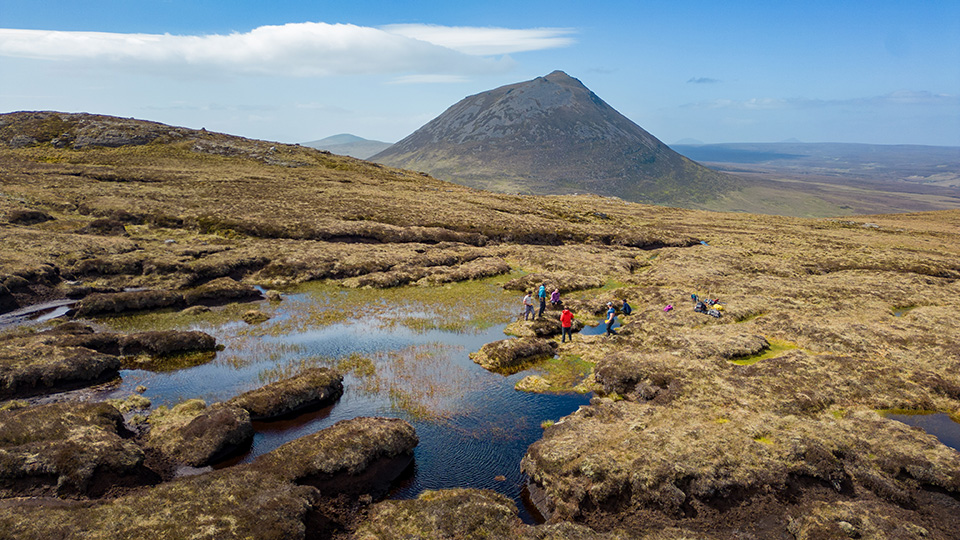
[(832, 179)]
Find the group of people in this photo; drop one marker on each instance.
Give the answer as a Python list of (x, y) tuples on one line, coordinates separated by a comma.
[(541, 295), (566, 316)]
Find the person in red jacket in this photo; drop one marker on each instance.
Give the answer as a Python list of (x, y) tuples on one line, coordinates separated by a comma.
[(566, 325)]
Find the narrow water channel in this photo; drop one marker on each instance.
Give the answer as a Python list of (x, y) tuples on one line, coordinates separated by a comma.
[(403, 352)]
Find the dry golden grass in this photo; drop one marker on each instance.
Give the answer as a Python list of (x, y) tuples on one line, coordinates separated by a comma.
[(687, 416)]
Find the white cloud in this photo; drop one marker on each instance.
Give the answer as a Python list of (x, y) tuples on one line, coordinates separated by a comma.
[(901, 97), (486, 41), (296, 49), (428, 78)]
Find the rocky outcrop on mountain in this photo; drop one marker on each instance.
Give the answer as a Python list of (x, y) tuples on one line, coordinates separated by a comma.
[(547, 136), (64, 130)]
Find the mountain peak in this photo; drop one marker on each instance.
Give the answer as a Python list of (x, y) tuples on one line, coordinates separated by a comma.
[(560, 77), (549, 135)]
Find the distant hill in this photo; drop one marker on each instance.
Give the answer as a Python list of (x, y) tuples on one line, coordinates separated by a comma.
[(346, 144), (553, 135)]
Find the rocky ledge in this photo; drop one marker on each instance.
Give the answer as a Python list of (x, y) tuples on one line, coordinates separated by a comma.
[(311, 388), (67, 450), (623, 463), (543, 327), (265, 499), (353, 456), (508, 355), (73, 355), (28, 366), (470, 514), (196, 435)]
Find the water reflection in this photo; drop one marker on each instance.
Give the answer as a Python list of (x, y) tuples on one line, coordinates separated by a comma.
[(940, 425), (598, 329), (403, 353), (37, 313)]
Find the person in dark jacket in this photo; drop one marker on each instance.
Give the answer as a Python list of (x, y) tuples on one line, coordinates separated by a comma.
[(611, 318)]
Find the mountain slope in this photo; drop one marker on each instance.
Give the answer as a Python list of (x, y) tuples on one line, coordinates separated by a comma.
[(552, 135)]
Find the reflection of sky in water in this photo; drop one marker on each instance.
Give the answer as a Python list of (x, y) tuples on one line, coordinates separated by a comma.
[(598, 329), (473, 426), (940, 425)]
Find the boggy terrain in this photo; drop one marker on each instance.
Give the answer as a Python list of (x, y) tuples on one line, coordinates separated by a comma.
[(763, 423)]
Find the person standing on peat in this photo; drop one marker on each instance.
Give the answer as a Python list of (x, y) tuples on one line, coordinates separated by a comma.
[(611, 318), (528, 306), (542, 295), (566, 325)]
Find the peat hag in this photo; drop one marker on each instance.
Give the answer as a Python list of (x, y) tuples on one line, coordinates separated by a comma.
[(677, 442)]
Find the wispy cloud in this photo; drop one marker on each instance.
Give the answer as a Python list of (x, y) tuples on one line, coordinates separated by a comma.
[(902, 97), (296, 49), (702, 80), (428, 78), (486, 41)]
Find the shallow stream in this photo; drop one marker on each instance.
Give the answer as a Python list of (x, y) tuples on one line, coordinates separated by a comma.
[(403, 352)]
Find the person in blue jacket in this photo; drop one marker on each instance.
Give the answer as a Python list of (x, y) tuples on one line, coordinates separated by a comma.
[(611, 318), (542, 295)]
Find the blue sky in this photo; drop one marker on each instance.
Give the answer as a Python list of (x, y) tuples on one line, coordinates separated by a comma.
[(880, 71)]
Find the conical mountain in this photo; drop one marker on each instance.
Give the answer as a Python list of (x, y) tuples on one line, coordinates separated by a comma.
[(552, 135)]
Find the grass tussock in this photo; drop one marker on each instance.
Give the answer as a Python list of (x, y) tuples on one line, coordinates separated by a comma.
[(204, 207)]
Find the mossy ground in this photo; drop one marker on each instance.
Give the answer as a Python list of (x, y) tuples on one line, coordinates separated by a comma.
[(562, 373), (831, 286), (776, 348)]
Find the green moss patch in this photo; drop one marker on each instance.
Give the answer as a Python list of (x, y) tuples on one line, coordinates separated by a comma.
[(777, 348), (563, 373)]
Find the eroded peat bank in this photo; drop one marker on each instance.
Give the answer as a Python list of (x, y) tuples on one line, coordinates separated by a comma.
[(242, 273)]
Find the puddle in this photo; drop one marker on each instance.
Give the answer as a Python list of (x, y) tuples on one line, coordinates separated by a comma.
[(901, 311), (940, 425), (404, 353), (598, 329)]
